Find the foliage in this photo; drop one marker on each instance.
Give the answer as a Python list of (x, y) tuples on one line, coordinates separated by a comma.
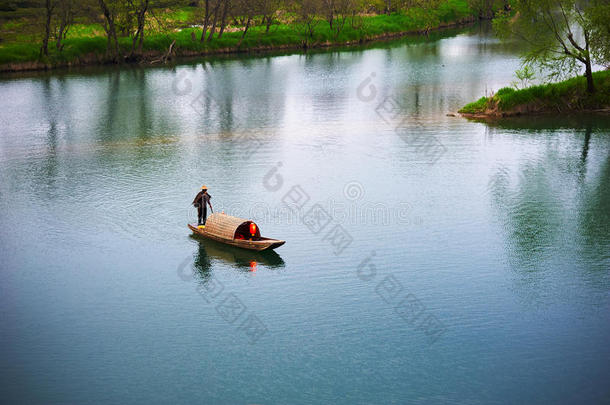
[(599, 16), (562, 37), (568, 95), (282, 24), (525, 76), (489, 8), (475, 107)]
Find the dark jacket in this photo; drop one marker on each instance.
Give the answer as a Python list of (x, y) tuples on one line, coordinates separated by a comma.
[(202, 199)]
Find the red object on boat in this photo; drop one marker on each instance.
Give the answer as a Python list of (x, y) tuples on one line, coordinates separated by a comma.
[(252, 228)]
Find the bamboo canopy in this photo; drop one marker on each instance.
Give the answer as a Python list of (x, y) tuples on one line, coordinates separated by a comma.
[(227, 227), (235, 231)]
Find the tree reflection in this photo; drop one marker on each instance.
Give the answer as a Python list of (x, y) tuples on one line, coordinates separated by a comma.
[(50, 166), (594, 218), (548, 193)]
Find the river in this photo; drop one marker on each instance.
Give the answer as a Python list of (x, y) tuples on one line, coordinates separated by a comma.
[(429, 259)]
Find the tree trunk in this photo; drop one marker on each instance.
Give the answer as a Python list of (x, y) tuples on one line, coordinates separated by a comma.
[(206, 20), (60, 35), (589, 75), (138, 38), (269, 21), (247, 26), (47, 33), (66, 19), (141, 43), (142, 26), (112, 37), (134, 41), (214, 20), (223, 22)]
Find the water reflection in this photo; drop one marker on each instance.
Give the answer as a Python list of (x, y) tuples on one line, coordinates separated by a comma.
[(556, 199), (545, 123), (50, 163), (594, 219), (243, 260)]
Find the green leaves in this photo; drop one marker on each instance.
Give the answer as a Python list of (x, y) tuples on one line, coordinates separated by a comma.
[(561, 37), (598, 16)]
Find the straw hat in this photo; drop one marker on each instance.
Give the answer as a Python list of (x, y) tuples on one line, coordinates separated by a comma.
[(204, 187)]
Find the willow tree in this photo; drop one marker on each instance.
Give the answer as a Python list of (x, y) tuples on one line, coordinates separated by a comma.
[(559, 36), (599, 17)]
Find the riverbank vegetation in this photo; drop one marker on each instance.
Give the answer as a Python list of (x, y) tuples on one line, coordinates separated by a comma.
[(562, 38), (566, 96), (47, 33)]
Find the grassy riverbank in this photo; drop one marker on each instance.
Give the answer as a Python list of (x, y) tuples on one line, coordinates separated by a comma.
[(563, 97), (86, 43)]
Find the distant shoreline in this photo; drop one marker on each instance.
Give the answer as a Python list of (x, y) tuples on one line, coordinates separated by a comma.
[(151, 57)]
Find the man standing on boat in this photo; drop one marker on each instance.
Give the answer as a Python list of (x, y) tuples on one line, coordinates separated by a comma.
[(200, 202)]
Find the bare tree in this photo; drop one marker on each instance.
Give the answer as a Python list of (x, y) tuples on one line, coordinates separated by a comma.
[(223, 21), (109, 9), (65, 13), (139, 8), (49, 8), (328, 8), (267, 9), (246, 10), (207, 13), (307, 15), (215, 13), (343, 9)]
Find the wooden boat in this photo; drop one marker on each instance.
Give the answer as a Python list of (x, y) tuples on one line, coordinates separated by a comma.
[(235, 231)]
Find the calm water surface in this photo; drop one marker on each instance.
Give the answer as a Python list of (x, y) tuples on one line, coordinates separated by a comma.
[(475, 269)]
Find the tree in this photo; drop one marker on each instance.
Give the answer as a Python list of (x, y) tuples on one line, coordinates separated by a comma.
[(524, 77), (599, 16), (328, 8), (223, 20), (207, 14), (49, 8), (214, 16), (486, 8), (110, 9), (336, 13), (267, 9), (559, 35), (307, 15), (139, 8), (65, 14)]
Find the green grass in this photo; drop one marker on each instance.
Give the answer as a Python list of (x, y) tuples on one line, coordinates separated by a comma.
[(570, 94), (184, 14), (23, 52), (85, 30), (87, 39), (475, 107)]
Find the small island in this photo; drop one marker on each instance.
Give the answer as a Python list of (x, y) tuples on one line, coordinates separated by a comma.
[(562, 40), (563, 97)]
